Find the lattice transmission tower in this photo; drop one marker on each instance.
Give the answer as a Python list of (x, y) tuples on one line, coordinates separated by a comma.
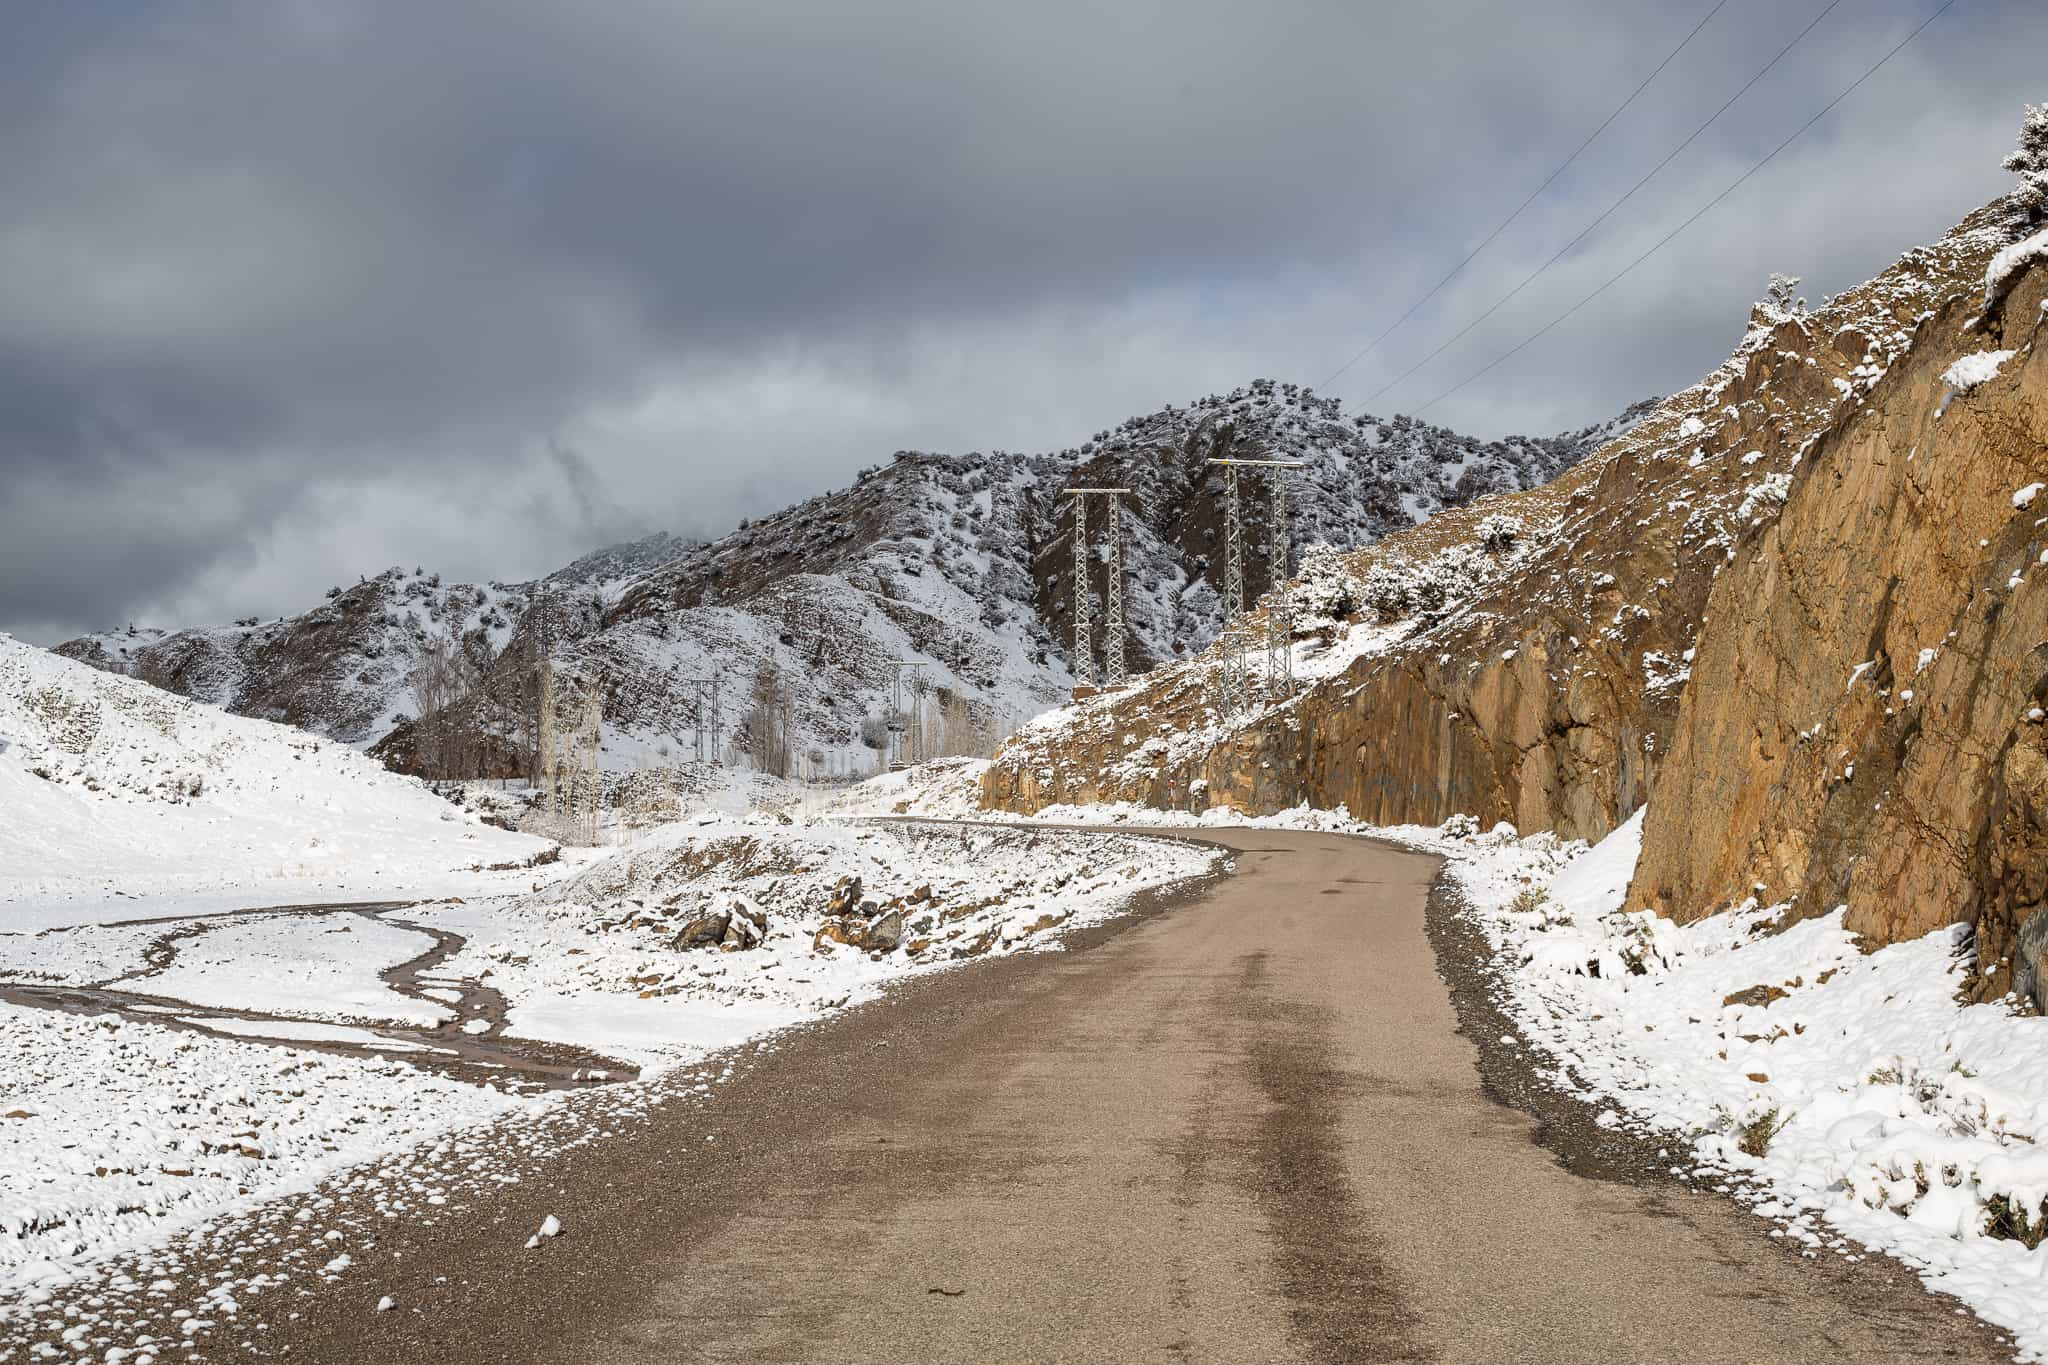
[(1234, 683), (1115, 665)]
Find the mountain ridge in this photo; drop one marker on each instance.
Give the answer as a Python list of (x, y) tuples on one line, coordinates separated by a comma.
[(957, 562)]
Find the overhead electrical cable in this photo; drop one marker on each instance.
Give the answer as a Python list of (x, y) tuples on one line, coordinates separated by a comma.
[(1698, 214), (1609, 211), (1534, 195)]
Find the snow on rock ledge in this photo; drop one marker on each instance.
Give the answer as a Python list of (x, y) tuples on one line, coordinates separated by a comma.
[(1972, 370), (2007, 266)]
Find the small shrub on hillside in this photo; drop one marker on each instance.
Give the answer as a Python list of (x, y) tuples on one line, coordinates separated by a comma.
[(1753, 1138), (1461, 827), (2008, 1219), (2030, 163), (1386, 592), (1449, 579), (1499, 535), (1330, 593)]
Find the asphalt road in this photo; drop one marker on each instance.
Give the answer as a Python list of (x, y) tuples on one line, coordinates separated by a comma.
[(1242, 1126)]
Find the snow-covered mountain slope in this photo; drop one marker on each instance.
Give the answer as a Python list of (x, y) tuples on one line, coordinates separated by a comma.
[(339, 669), (958, 563), (111, 788)]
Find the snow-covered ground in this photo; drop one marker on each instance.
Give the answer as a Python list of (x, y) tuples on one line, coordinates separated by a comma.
[(122, 800), (1847, 1096), (115, 1134), (312, 967), (120, 1132), (592, 961)]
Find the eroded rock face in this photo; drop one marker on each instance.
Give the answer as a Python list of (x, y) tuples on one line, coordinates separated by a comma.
[(1802, 611), (1863, 726), (1553, 699)]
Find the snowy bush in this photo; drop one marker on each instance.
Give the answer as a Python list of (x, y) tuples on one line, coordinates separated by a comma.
[(1450, 578), (1330, 593), (1394, 590), (1782, 294), (1385, 591), (1764, 496), (1499, 534), (2030, 163)]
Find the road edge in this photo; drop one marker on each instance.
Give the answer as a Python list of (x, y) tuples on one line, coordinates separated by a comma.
[(1523, 1078)]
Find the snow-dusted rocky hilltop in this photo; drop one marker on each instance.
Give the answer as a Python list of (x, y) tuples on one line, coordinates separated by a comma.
[(959, 563)]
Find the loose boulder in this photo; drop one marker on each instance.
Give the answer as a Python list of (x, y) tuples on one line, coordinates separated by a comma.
[(845, 896), (883, 934), (703, 931)]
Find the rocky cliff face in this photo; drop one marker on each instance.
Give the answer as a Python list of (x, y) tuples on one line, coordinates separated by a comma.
[(1550, 698), (1864, 726), (958, 563), (1802, 610)]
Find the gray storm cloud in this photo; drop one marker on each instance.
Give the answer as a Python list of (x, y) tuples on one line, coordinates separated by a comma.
[(291, 292)]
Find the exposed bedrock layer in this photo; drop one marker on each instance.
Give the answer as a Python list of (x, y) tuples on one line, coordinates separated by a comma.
[(1864, 724), (1726, 607)]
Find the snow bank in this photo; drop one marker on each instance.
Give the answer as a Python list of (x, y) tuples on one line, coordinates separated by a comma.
[(115, 789), (944, 789), (1845, 1095)]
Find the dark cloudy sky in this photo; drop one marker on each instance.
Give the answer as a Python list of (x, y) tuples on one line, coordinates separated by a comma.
[(293, 290)]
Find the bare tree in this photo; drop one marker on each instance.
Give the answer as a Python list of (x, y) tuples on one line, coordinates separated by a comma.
[(445, 687), (965, 730), (769, 725)]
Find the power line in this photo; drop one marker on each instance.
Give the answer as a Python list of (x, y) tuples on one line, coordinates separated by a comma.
[(1608, 212), (1473, 255), (1700, 213)]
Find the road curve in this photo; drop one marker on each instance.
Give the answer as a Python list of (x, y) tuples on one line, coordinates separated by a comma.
[(1244, 1129)]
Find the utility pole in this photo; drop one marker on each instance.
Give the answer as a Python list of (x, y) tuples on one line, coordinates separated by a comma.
[(1113, 595), (703, 718), (1279, 603), (541, 640), (1084, 643), (1233, 544), (902, 725), (1116, 671), (700, 717), (1235, 686)]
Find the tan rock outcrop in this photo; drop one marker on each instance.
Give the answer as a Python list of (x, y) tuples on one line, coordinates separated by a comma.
[(1863, 726), (1802, 611), (1551, 700)]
